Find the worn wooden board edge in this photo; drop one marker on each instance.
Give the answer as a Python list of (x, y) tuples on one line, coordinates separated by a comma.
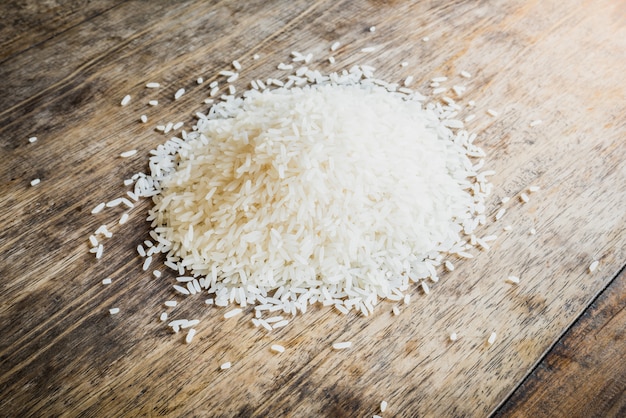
[(583, 374)]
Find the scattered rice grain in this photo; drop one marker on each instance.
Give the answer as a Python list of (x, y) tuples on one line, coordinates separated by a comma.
[(342, 345), (179, 93), (524, 198), (98, 208), (129, 153), (513, 279), (277, 348), (383, 406)]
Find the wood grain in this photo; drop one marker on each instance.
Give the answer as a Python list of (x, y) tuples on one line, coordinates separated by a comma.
[(585, 371), (64, 355)]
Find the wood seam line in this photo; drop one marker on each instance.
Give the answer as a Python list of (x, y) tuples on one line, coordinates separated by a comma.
[(549, 350)]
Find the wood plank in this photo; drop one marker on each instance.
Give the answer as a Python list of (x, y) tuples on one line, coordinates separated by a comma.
[(583, 375), (65, 353), (26, 24)]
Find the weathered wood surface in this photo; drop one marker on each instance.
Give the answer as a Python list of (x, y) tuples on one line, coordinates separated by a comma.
[(584, 374), (61, 352)]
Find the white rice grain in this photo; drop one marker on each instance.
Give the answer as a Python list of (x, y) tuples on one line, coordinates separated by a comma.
[(153, 102), (114, 311), (226, 365), (179, 93), (129, 153), (277, 348), (236, 65), (125, 100), (513, 279), (106, 281), (143, 119), (232, 313), (99, 251), (453, 336), (123, 219), (98, 208), (163, 317), (492, 112), (190, 334), (500, 213), (181, 289), (383, 406), (465, 74), (171, 303), (35, 182), (368, 49), (280, 324), (342, 345), (593, 266), (146, 263), (535, 123), (335, 46), (524, 198), (32, 139), (492, 338), (153, 85)]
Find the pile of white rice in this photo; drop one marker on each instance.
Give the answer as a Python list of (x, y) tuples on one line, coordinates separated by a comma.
[(341, 191)]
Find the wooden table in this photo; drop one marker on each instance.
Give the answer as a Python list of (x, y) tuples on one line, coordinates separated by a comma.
[(561, 341)]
